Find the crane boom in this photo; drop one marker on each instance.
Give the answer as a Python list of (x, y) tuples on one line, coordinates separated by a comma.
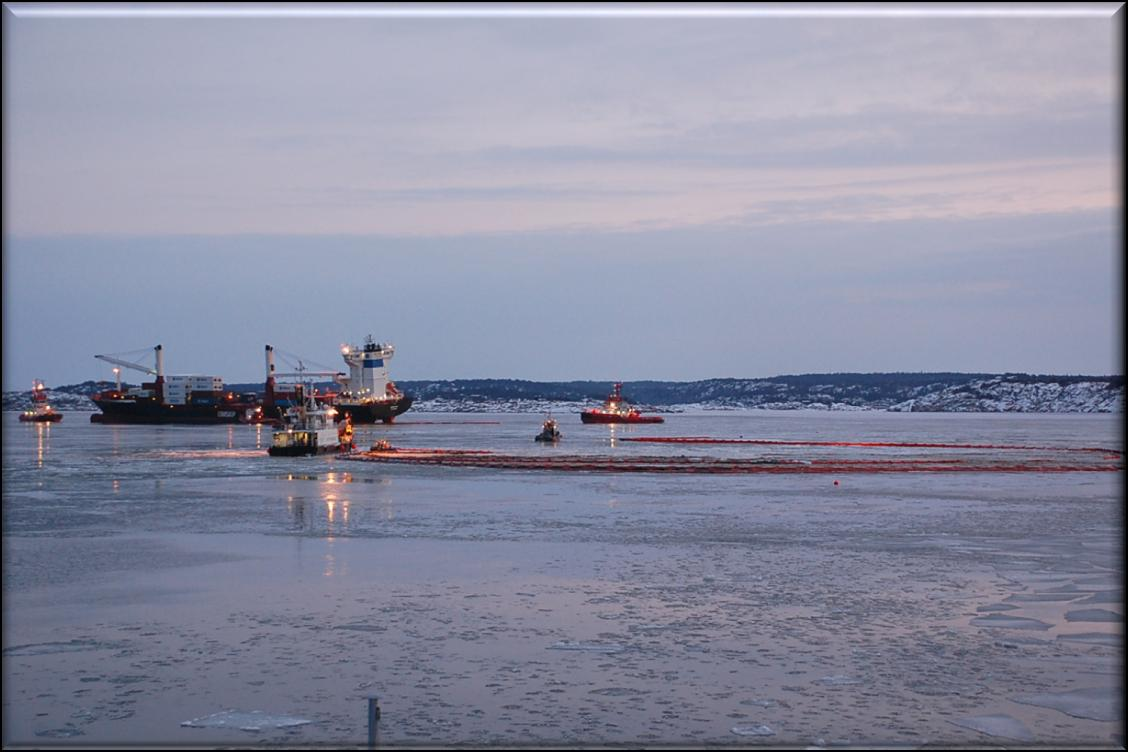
[(127, 364)]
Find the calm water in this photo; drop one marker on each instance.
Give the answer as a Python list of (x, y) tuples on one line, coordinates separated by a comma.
[(81, 478), (156, 575)]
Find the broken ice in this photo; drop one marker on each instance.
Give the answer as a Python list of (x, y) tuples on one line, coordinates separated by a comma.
[(753, 730), (255, 720), (592, 647)]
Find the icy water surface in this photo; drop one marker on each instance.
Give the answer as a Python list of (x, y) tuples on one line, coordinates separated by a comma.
[(174, 585)]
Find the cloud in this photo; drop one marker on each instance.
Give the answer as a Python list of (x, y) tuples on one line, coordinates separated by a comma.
[(448, 126)]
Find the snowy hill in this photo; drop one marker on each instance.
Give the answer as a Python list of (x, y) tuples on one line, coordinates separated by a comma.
[(1008, 394), (902, 392)]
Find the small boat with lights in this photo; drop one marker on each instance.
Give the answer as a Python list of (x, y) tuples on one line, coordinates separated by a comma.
[(550, 432), (308, 428), (617, 410), (40, 411)]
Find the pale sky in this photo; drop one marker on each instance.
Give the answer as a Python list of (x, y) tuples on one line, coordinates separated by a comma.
[(618, 192)]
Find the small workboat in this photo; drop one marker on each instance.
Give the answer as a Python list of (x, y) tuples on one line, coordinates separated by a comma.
[(549, 432), (40, 411), (308, 429), (617, 410)]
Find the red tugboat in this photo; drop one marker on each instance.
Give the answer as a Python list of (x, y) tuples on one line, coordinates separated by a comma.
[(41, 412), (617, 410)]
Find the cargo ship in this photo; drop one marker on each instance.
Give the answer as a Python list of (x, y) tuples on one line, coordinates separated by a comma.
[(617, 410), (193, 399), (367, 395), (40, 411)]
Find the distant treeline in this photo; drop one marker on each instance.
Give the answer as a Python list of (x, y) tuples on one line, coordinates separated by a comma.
[(856, 388)]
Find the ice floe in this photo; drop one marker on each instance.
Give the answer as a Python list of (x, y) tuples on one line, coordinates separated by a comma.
[(838, 681), (1094, 638), (997, 725), (47, 648), (1095, 703), (254, 720), (751, 729), (1093, 614), (591, 647), (1001, 621)]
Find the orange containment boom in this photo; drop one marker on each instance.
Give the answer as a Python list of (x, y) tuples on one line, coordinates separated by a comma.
[(718, 465)]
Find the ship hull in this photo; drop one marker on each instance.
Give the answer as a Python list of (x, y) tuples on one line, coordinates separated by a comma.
[(296, 451), (153, 412), (594, 417), (48, 418), (384, 411)]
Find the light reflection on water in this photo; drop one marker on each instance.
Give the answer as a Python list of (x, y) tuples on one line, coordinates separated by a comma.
[(43, 441)]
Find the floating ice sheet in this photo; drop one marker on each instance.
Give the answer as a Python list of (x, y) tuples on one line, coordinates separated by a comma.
[(997, 725), (591, 647), (751, 729), (940, 687), (1093, 614), (1094, 638), (60, 733), (838, 680), (651, 627), (1043, 597), (362, 627), (1001, 621), (1095, 703), (47, 648), (254, 720)]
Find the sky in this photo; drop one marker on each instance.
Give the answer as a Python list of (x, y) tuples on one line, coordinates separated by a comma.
[(621, 192)]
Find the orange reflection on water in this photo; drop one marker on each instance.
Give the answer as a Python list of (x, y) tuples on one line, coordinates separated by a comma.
[(205, 454), (43, 441)]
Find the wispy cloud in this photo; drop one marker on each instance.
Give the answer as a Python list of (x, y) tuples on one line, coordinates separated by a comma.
[(462, 125)]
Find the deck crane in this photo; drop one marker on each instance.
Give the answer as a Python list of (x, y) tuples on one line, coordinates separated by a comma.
[(158, 372), (300, 374)]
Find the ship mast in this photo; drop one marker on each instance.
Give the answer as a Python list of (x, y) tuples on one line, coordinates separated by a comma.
[(269, 397)]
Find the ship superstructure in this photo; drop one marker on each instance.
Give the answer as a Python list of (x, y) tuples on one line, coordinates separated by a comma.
[(367, 394)]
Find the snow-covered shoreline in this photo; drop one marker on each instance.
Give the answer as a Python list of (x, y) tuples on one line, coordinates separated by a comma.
[(995, 394)]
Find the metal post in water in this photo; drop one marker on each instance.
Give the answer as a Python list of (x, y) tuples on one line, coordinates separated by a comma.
[(373, 717)]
